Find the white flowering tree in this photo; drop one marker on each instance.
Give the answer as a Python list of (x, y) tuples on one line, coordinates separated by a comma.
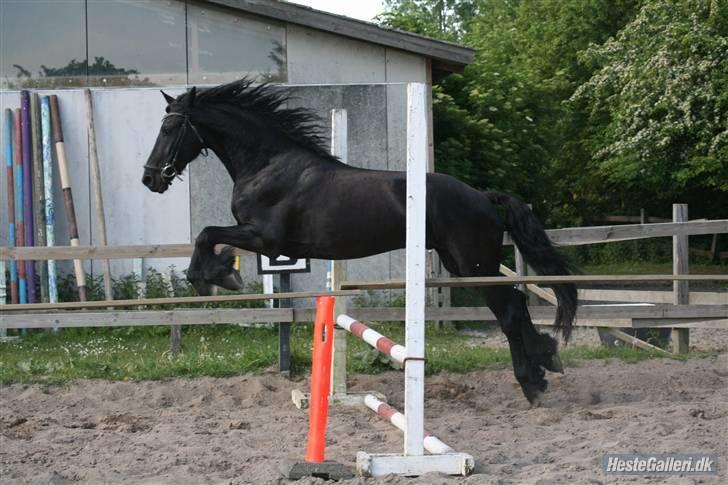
[(658, 102)]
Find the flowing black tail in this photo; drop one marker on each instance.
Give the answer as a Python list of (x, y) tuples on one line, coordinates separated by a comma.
[(531, 239)]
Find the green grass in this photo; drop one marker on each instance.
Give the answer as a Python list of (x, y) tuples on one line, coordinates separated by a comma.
[(224, 350)]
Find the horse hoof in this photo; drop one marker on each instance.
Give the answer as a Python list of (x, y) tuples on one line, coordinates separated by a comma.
[(233, 281), (556, 365), (536, 400)]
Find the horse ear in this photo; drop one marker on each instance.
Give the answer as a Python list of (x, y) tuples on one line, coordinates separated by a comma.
[(169, 98), (191, 96)]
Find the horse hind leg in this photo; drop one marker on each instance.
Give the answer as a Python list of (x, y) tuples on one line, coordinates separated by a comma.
[(529, 350)]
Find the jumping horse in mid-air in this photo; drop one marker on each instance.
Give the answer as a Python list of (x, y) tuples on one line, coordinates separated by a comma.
[(292, 197)]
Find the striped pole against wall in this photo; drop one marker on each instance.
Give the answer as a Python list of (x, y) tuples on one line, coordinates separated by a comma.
[(67, 194), (19, 228), (38, 193), (50, 212), (8, 141), (28, 226)]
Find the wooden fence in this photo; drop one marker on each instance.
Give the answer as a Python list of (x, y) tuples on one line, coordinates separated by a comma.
[(679, 309)]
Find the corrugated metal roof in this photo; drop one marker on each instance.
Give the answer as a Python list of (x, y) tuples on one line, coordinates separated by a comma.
[(446, 56)]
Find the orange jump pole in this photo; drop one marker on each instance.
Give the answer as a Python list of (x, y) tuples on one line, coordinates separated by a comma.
[(315, 464), (323, 331)]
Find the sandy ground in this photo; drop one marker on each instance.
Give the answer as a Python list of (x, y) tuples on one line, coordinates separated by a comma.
[(237, 430)]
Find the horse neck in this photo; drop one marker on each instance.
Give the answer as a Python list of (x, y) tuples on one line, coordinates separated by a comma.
[(245, 159)]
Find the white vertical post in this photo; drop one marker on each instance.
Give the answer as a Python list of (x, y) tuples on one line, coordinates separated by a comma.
[(415, 268), (268, 288), (337, 269)]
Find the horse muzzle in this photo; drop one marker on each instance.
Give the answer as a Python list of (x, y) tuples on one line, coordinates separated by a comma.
[(153, 181)]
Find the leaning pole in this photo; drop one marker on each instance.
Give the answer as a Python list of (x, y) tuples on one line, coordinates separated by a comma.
[(67, 195), (38, 192), (28, 225), (19, 229), (8, 141), (50, 213)]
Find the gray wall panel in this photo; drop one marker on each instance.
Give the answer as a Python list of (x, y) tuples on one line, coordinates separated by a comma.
[(127, 122)]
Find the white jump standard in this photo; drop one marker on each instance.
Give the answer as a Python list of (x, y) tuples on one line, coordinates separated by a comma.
[(413, 461)]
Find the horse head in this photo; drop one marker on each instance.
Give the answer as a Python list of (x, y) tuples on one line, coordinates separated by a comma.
[(178, 143)]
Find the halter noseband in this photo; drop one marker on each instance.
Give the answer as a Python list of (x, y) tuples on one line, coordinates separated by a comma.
[(169, 170)]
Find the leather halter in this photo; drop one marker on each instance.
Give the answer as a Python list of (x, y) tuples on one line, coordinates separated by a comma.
[(169, 170)]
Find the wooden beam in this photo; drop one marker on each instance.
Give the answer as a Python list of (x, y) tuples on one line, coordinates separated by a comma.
[(574, 236), (616, 315), (543, 293), (180, 300), (719, 323), (499, 280), (625, 337), (694, 316), (645, 296), (105, 252), (192, 316)]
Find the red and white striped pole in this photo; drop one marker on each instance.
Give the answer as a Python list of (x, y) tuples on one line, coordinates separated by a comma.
[(431, 443), (373, 338)]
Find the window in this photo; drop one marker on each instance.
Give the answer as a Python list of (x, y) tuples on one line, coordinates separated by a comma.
[(224, 45), (136, 42), (75, 43), (42, 43)]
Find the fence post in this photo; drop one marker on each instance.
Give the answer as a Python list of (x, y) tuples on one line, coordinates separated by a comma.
[(681, 290), (284, 328), (338, 367), (340, 149), (522, 269)]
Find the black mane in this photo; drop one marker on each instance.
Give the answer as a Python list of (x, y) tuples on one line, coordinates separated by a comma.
[(267, 101)]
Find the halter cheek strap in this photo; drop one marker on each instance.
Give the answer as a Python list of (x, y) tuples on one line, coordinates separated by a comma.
[(169, 170)]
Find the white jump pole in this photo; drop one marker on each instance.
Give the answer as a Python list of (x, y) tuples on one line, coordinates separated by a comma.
[(414, 461), (414, 369)]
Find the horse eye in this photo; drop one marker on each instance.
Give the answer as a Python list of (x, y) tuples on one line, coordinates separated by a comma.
[(165, 130)]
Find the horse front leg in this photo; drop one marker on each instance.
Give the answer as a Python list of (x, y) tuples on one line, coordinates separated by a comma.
[(208, 269)]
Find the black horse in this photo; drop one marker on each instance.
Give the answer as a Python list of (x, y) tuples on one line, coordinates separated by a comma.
[(292, 197)]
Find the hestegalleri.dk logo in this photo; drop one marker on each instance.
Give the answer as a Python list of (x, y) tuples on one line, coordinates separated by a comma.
[(660, 464)]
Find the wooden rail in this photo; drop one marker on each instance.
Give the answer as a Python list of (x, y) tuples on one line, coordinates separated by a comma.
[(566, 237), (682, 316), (38, 253), (513, 280), (180, 300), (646, 296), (574, 236)]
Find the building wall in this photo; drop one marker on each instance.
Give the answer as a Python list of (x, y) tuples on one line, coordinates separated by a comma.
[(127, 122)]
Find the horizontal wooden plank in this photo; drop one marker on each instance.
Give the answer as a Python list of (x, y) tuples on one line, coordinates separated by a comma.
[(179, 300), (601, 234), (721, 323), (643, 296), (196, 316), (40, 253), (630, 339), (574, 236), (699, 316), (635, 219), (514, 280), (566, 237), (543, 293)]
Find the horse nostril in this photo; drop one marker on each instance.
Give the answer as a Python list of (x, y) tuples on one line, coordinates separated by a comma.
[(147, 180)]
